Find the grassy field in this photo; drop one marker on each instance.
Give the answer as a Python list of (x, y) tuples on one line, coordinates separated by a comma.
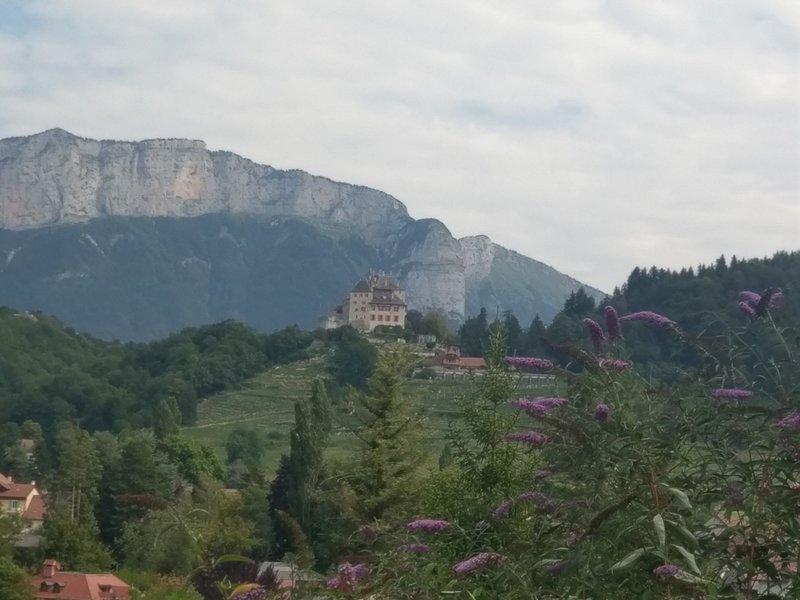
[(266, 402)]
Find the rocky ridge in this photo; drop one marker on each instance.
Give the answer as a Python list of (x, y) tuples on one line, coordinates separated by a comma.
[(57, 179)]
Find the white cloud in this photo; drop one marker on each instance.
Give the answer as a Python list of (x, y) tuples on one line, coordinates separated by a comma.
[(593, 135)]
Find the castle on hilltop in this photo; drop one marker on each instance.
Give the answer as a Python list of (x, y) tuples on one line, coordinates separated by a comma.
[(375, 300)]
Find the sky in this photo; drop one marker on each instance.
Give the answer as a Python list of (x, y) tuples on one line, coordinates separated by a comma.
[(592, 135)]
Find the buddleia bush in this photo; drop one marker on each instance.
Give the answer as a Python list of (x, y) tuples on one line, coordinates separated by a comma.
[(622, 486)]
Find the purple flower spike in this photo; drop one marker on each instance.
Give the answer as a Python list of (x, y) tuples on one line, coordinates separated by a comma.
[(539, 406), (532, 438), (750, 298), (777, 300), (347, 576), (613, 326), (429, 525), (666, 571), (414, 548), (747, 309), (256, 593), (789, 422), (595, 333), (613, 364), (732, 394), (528, 362), (651, 318), (601, 413), (478, 562), (501, 512)]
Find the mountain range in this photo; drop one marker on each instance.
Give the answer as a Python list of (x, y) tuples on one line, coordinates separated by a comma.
[(134, 240)]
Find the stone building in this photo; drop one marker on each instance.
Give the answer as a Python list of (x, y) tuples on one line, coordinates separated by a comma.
[(375, 300)]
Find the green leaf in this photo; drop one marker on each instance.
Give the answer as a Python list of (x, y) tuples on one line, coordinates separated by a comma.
[(628, 560), (688, 557), (680, 497), (688, 536), (658, 523)]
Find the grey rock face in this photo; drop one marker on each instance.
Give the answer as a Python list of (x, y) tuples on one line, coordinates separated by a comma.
[(56, 178)]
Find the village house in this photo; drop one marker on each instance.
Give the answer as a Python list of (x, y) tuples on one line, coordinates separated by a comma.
[(52, 583), (451, 360), (24, 500), (374, 301)]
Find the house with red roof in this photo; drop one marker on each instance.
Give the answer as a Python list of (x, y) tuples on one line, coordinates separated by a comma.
[(53, 583), (452, 360), (25, 500)]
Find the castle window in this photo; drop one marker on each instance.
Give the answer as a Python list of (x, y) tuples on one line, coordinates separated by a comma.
[(395, 319), (380, 317), (372, 317)]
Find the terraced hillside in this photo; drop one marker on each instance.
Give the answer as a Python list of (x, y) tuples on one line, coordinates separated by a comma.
[(266, 402)]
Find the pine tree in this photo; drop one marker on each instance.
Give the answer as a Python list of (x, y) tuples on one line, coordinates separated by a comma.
[(389, 435)]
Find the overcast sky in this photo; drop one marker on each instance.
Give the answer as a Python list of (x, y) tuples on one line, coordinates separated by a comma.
[(592, 135)]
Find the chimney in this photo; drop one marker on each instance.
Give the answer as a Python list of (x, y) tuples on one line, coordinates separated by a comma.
[(50, 568)]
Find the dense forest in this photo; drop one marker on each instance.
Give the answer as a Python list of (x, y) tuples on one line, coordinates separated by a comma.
[(51, 374), (704, 302)]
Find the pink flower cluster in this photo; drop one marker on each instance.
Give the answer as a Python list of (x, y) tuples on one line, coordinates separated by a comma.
[(429, 525), (613, 326), (752, 303), (651, 318), (789, 422), (529, 362), (595, 333), (256, 593), (666, 571), (348, 576), (538, 406), (478, 562), (732, 394), (601, 413)]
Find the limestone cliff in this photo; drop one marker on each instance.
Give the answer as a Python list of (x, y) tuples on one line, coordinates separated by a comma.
[(97, 232), (56, 177)]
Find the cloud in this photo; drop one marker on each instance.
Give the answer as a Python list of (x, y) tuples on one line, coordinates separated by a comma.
[(593, 135)]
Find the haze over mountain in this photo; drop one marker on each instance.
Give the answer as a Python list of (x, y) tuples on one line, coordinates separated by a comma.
[(133, 240)]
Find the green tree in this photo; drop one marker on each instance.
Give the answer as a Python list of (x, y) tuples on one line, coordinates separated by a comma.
[(15, 584), (166, 418), (192, 459), (295, 502), (75, 545), (534, 338), (515, 339), (353, 358), (247, 445), (388, 431), (77, 473), (474, 335), (435, 323)]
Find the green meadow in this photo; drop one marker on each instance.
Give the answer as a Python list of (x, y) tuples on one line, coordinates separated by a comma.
[(266, 402)]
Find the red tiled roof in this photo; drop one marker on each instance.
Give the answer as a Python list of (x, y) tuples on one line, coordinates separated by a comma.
[(81, 586), (469, 362), (36, 509), (15, 491)]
